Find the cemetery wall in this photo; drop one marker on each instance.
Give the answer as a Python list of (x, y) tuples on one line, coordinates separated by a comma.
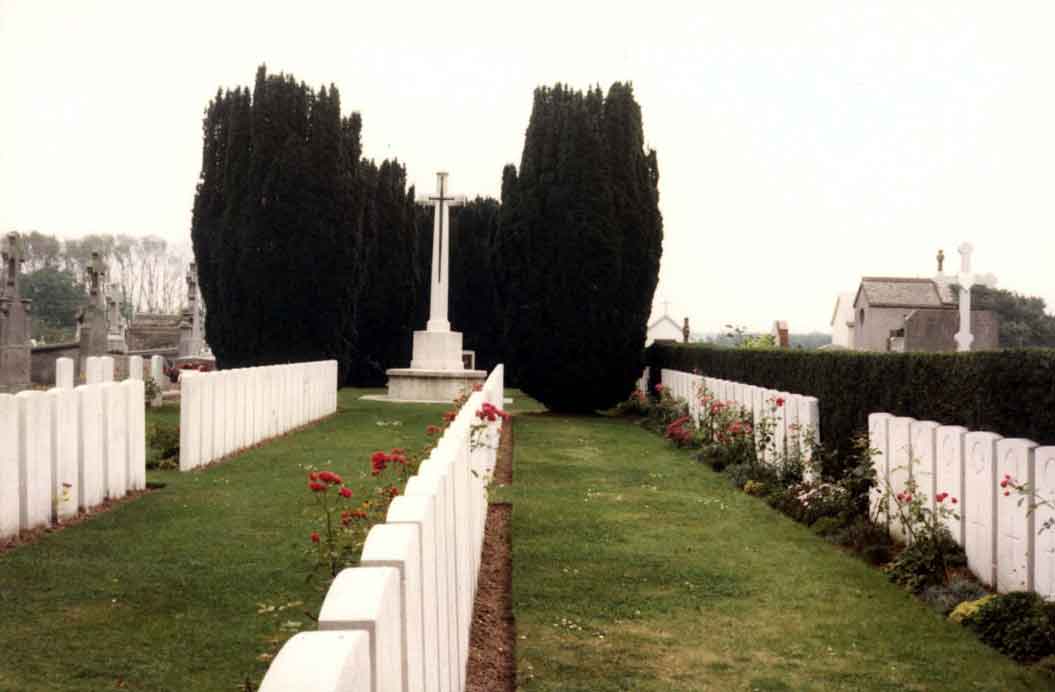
[(1000, 534), (222, 412), (1007, 391), (400, 621), (43, 358), (72, 447)]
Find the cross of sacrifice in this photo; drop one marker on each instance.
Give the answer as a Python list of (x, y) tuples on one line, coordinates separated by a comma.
[(439, 288), (966, 279), (13, 259)]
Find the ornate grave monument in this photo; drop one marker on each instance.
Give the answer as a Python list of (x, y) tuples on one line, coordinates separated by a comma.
[(437, 372), (115, 337), (14, 320), (192, 347), (92, 318)]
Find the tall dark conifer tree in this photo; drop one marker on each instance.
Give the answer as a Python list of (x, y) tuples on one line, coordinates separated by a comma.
[(290, 226), (579, 248)]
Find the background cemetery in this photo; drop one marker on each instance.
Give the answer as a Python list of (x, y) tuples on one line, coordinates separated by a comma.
[(554, 303)]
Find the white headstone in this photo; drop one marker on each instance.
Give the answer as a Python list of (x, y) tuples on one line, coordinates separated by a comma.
[(368, 599), (107, 365), (135, 367), (64, 373), (115, 439), (979, 505), (190, 427), (1044, 546), (879, 440), (93, 370), (10, 442), (950, 476), (399, 546), (810, 424), (91, 466), (419, 511), (925, 455), (321, 662), (1014, 521), (65, 435), (34, 420), (899, 470), (136, 463)]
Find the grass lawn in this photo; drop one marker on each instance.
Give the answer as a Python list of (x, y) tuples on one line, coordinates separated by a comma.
[(163, 592), (636, 568)]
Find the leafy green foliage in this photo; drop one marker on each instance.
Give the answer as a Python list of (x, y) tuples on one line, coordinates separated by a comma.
[(945, 597), (968, 389), (56, 296), (580, 244), (1024, 320), (1019, 624), (926, 562)]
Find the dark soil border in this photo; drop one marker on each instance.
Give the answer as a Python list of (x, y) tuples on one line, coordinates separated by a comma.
[(492, 638)]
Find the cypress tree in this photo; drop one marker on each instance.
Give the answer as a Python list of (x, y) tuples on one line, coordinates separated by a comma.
[(579, 248)]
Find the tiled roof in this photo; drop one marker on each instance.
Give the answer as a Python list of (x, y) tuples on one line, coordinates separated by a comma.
[(902, 292)]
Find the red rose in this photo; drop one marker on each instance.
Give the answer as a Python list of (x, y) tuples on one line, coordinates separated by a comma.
[(314, 536), (313, 476), (316, 487), (954, 500), (780, 401), (345, 491), (432, 430)]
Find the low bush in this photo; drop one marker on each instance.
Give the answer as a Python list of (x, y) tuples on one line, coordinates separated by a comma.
[(1019, 624), (945, 597), (927, 562), (162, 446)]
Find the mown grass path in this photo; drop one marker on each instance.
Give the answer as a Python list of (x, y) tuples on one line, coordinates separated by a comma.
[(163, 592), (636, 568)]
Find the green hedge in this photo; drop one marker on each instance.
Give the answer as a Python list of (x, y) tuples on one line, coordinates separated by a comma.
[(1010, 392)]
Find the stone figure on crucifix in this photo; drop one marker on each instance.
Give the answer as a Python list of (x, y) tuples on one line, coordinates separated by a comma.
[(13, 258), (94, 275)]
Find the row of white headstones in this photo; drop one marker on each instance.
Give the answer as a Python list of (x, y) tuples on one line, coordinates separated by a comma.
[(71, 448), (400, 621), (225, 411), (794, 418), (999, 530)]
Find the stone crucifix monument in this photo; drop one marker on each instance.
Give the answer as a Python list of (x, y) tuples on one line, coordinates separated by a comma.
[(192, 347), (92, 317), (436, 371), (964, 337), (14, 319)]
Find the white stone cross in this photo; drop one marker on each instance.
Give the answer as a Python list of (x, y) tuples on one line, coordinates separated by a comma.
[(439, 288), (966, 279)]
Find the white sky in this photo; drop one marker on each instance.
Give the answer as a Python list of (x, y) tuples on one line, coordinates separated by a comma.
[(801, 144)]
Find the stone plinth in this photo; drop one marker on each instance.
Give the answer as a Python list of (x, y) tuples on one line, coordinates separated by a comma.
[(431, 386), (437, 351)]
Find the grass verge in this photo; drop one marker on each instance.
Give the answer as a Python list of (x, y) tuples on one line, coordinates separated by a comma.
[(636, 568)]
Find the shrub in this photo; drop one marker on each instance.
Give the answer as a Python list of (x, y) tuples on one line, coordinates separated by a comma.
[(162, 446), (637, 405), (1019, 624), (968, 608), (945, 597), (954, 388), (755, 488), (926, 562)]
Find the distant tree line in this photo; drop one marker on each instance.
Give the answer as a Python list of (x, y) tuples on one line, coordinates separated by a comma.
[(149, 274), (306, 249)]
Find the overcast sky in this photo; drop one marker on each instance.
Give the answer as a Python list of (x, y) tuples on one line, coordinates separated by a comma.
[(801, 144)]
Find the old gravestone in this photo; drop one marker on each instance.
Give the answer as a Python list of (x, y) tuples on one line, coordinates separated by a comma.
[(91, 319), (14, 320)]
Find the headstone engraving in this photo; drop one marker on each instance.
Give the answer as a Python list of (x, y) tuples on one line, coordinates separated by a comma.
[(1044, 546), (979, 505), (1014, 520), (950, 475)]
